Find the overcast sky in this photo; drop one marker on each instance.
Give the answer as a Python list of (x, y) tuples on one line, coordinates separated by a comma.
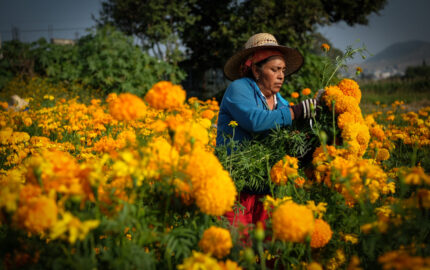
[(401, 20)]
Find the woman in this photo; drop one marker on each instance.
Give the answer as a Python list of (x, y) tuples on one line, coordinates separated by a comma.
[(253, 101)]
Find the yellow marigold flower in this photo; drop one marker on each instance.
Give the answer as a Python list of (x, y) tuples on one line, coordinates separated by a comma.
[(213, 188), (377, 132), (5, 135), (347, 104), (319, 209), (400, 259), (165, 96), (292, 222), (291, 103), (229, 265), (190, 134), (162, 158), (325, 47), (37, 214), (127, 107), (216, 241), (59, 171), (199, 261), (350, 88), (27, 121), (294, 95), (271, 203), (216, 196), (74, 227), (306, 91), (350, 238), (321, 235), (347, 118), (314, 266), (208, 114), (284, 169), (233, 124), (383, 154), (417, 176), (332, 93), (337, 261)]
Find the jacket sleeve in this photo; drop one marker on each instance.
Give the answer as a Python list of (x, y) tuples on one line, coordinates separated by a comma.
[(242, 104)]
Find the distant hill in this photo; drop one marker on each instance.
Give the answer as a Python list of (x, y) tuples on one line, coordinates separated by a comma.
[(396, 58)]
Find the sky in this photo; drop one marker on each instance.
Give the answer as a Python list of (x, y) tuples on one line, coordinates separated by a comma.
[(400, 20)]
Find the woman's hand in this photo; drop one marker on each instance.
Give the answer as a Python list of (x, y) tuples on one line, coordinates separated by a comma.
[(305, 109)]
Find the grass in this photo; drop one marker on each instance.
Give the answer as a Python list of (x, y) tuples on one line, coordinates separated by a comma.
[(414, 92)]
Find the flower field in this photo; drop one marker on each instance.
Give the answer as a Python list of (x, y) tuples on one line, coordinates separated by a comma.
[(123, 182)]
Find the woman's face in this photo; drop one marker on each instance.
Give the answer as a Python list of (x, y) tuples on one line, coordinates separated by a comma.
[(271, 76)]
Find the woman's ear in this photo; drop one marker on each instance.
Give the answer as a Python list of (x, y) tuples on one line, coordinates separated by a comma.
[(255, 72)]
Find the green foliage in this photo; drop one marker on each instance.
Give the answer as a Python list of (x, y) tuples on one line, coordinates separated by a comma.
[(156, 23), (211, 31), (249, 162), (422, 71), (104, 59)]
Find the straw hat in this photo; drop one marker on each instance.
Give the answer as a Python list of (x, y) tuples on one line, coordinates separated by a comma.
[(293, 58)]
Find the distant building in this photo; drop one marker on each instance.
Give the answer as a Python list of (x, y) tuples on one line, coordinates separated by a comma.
[(60, 41)]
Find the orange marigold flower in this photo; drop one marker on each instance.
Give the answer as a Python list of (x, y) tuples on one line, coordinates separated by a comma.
[(165, 96), (383, 154), (208, 114), (325, 47), (229, 265), (284, 169), (321, 235), (294, 95), (306, 91), (292, 222), (37, 214), (127, 107), (216, 241), (350, 88)]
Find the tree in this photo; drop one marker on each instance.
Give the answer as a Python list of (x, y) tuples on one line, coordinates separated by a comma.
[(157, 23), (211, 31)]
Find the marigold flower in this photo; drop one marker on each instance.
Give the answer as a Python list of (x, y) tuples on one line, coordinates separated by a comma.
[(213, 188), (383, 154), (306, 91), (417, 176), (127, 107), (295, 95), (350, 88), (229, 265), (284, 169), (321, 235), (208, 114), (233, 124), (37, 214), (199, 261), (74, 227), (325, 47), (165, 96), (292, 222), (216, 241), (314, 266)]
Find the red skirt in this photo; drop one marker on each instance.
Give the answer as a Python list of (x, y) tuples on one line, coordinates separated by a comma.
[(252, 213)]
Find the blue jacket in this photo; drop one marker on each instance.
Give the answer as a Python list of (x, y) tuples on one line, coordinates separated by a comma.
[(243, 103)]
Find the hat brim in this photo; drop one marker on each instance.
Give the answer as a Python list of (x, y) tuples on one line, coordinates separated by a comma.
[(293, 60)]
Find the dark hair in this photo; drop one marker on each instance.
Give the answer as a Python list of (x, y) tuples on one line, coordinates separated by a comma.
[(248, 73)]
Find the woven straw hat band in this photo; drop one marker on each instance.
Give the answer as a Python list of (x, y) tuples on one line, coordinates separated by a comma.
[(261, 39)]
